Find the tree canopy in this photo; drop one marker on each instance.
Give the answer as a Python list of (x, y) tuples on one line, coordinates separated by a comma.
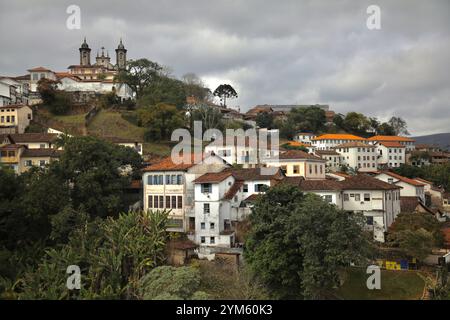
[(298, 242), (224, 92)]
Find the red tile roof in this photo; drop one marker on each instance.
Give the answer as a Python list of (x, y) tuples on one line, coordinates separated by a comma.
[(391, 144), (233, 190), (404, 179), (298, 154), (43, 152), (168, 165), (34, 137), (365, 182), (213, 177), (390, 138), (338, 136)]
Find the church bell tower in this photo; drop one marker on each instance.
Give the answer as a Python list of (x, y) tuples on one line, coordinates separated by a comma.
[(121, 56), (85, 54)]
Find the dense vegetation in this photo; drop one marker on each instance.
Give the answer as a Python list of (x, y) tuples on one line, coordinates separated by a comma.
[(298, 243)]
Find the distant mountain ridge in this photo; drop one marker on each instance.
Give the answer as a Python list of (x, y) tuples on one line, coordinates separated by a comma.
[(440, 139)]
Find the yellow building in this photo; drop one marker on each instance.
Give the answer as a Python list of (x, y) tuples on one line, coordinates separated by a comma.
[(15, 118), (296, 163), (10, 156), (37, 158)]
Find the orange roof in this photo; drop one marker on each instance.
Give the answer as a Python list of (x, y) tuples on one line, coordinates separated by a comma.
[(168, 165), (338, 136), (390, 138), (298, 144), (391, 144), (404, 179)]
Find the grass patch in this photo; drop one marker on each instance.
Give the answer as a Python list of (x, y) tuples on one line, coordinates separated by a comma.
[(395, 285), (76, 119), (111, 124)]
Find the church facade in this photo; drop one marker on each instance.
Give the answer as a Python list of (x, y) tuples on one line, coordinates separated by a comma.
[(102, 69)]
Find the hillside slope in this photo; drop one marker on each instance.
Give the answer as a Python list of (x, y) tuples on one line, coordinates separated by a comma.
[(440, 139)]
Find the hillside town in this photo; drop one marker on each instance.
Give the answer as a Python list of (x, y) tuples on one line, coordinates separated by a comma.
[(212, 193)]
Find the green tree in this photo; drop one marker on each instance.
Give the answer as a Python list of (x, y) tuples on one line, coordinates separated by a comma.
[(139, 75), (194, 87), (415, 234), (161, 120), (311, 119), (210, 117), (298, 242), (265, 120), (57, 101), (224, 92), (399, 126), (95, 172), (356, 123), (164, 90), (167, 282), (113, 254)]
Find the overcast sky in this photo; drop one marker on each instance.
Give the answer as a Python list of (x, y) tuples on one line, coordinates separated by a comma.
[(274, 52)]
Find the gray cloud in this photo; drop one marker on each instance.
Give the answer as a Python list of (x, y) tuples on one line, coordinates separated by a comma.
[(286, 51)]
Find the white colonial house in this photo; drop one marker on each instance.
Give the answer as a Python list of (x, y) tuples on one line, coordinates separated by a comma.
[(244, 150), (407, 142), (359, 156), (391, 154), (224, 198), (378, 201), (331, 140), (409, 187), (333, 158), (305, 137), (73, 84), (168, 185)]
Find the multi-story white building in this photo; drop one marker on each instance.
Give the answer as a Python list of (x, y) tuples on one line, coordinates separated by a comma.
[(391, 154), (359, 156), (243, 150), (13, 91), (330, 141), (220, 202), (168, 185), (409, 187), (378, 201), (407, 142), (333, 159)]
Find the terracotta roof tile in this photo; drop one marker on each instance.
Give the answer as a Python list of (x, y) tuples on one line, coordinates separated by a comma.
[(233, 190), (338, 136), (213, 177), (390, 138), (391, 144), (365, 182), (43, 152), (168, 165), (298, 154), (404, 179), (34, 137)]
